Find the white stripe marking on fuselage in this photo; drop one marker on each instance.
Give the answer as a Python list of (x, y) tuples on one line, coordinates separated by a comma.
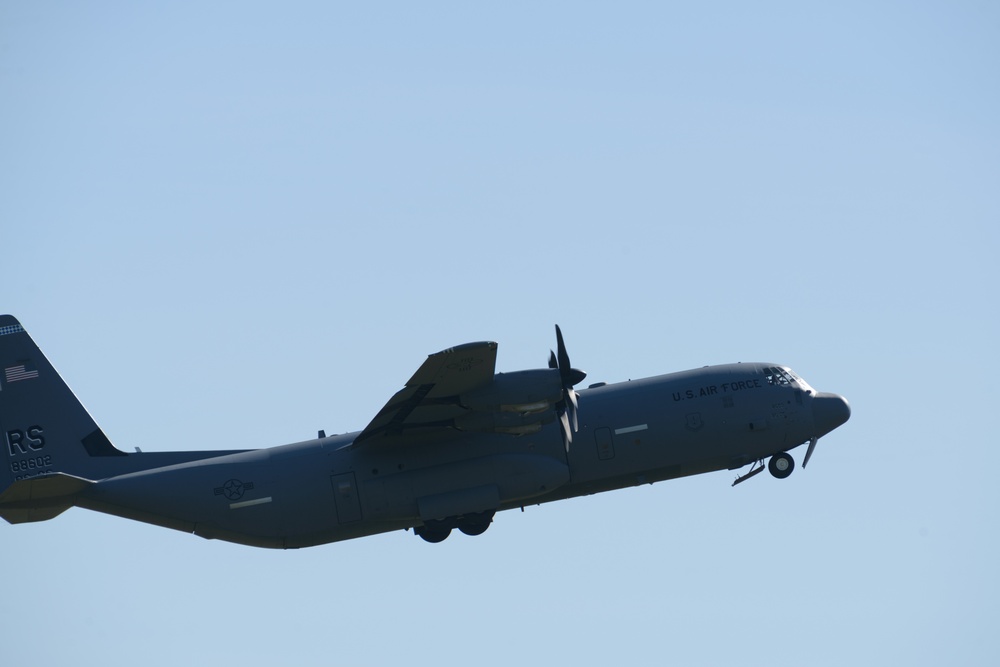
[(249, 503), (631, 429)]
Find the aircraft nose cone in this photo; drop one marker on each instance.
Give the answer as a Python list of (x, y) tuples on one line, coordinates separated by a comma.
[(829, 412)]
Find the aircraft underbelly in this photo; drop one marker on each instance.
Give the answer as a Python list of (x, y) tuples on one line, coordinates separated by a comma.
[(474, 485)]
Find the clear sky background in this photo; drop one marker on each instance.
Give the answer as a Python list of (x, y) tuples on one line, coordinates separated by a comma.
[(230, 225)]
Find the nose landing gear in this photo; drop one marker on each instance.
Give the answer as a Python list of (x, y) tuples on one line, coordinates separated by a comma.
[(781, 466)]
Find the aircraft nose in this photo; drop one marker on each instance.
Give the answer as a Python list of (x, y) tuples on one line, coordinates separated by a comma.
[(829, 412)]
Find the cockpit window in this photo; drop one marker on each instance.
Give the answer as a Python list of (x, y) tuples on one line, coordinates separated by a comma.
[(781, 377)]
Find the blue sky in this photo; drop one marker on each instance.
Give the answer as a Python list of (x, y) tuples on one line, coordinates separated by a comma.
[(231, 226)]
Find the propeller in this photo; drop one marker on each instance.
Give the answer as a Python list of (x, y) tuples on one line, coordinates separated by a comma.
[(568, 407), (809, 452)]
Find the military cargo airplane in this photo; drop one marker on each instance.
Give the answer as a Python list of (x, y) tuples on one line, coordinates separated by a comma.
[(456, 445)]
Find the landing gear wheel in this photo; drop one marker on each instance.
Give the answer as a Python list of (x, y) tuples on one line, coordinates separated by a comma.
[(781, 465), (476, 524), (433, 534), (473, 529)]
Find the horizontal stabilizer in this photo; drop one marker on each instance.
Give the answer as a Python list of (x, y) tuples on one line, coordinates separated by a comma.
[(41, 498)]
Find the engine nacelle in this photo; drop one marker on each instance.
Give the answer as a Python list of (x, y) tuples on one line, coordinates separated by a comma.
[(512, 423), (530, 391)]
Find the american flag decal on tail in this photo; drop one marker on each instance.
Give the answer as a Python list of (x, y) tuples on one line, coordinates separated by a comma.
[(18, 373)]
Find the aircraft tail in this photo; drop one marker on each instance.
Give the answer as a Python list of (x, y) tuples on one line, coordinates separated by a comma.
[(41, 498), (44, 430)]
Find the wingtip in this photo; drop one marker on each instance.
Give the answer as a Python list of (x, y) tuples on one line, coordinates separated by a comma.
[(488, 344)]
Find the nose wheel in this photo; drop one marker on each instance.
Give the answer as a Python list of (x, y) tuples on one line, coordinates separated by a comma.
[(781, 465)]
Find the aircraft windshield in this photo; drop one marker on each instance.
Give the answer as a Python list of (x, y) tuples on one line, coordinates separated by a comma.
[(781, 377)]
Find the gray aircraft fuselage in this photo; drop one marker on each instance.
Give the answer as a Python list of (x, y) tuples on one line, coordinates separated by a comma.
[(429, 478)]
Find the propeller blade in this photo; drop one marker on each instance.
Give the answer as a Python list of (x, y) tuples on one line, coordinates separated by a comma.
[(809, 452), (564, 365), (570, 376), (566, 432), (569, 406), (573, 406)]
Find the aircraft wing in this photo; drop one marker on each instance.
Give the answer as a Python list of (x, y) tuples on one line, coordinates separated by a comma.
[(430, 398)]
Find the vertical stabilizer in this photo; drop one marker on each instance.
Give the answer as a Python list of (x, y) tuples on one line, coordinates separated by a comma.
[(44, 429)]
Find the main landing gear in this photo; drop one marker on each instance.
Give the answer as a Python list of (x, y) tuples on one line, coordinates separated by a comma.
[(432, 532), (470, 524), (781, 466)]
